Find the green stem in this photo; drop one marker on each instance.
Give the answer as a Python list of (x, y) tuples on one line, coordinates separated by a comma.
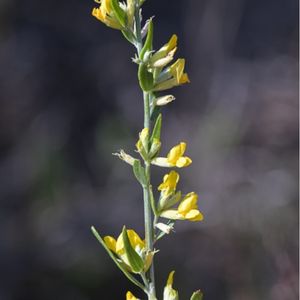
[(149, 232)]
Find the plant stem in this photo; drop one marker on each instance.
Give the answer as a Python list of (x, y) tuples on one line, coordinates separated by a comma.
[(149, 232)]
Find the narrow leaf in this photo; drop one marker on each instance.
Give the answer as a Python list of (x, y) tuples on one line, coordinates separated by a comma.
[(139, 172), (149, 40), (157, 128), (119, 265), (135, 261)]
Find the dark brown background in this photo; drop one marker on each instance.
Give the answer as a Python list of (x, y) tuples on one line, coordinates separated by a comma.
[(69, 98)]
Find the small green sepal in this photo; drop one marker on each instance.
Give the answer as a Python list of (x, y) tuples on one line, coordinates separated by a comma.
[(156, 129), (149, 40)]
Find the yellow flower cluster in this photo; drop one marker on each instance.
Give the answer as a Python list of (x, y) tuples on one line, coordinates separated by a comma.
[(115, 14), (187, 209)]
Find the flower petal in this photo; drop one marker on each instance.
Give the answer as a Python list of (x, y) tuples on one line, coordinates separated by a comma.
[(161, 161), (183, 161), (110, 243), (172, 214), (189, 202), (194, 215)]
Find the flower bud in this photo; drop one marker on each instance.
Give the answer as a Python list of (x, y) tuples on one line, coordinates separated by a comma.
[(164, 227), (169, 292), (198, 295), (155, 147), (160, 101)]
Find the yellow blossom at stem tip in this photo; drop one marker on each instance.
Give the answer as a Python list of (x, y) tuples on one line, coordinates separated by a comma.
[(105, 14)]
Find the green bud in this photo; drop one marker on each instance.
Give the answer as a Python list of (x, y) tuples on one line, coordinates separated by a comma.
[(168, 201), (198, 295), (169, 292), (155, 147)]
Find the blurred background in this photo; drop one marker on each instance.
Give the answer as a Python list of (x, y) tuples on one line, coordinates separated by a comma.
[(69, 98)]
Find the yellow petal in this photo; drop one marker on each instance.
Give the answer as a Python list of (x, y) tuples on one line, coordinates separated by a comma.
[(134, 239), (177, 69), (194, 215), (184, 79), (169, 182), (110, 243), (189, 202), (96, 12), (183, 161), (175, 153), (129, 296), (106, 7)]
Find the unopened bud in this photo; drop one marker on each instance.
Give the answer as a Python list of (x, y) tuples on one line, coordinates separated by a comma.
[(164, 100), (164, 227), (155, 147)]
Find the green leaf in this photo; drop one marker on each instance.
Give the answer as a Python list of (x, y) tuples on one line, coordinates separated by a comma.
[(119, 12), (145, 78), (157, 128), (139, 172), (149, 40), (135, 261), (119, 265), (198, 295)]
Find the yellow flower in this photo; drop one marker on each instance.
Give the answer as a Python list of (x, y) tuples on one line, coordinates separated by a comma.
[(173, 76), (168, 186), (105, 14), (129, 296), (117, 246), (174, 158), (187, 209)]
